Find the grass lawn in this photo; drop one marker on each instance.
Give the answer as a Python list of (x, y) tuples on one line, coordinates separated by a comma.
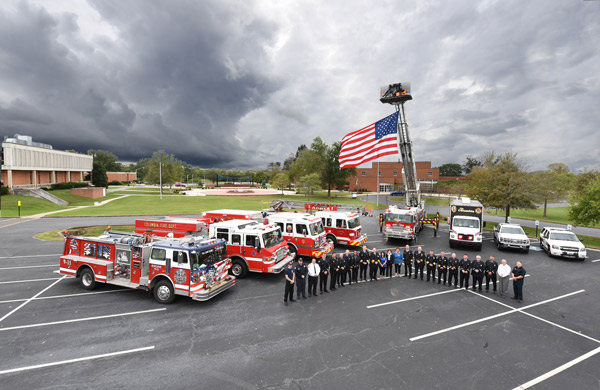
[(31, 206), (588, 241), (146, 205), (554, 214), (91, 231)]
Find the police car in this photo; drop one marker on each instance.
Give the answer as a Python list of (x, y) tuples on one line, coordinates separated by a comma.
[(509, 235), (562, 243)]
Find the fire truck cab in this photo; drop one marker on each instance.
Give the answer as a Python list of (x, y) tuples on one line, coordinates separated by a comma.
[(403, 223), (195, 267), (252, 246), (342, 227), (303, 233)]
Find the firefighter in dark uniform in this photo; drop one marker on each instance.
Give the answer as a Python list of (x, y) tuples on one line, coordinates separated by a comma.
[(364, 262), (442, 267), (419, 257), (518, 275), (290, 278), (333, 268), (373, 264), (341, 276), (324, 275), (478, 272), (381, 219), (301, 271), (431, 261), (355, 265), (491, 272), (453, 264), (465, 268), (408, 261)]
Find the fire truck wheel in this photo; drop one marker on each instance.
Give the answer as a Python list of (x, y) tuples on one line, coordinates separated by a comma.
[(331, 237), (239, 268), (87, 279), (163, 292), (293, 251)]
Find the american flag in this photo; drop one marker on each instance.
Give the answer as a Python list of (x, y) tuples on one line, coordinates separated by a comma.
[(373, 141)]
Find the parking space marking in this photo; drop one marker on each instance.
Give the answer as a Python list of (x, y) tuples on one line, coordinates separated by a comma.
[(82, 319), (30, 299), (31, 266), (111, 354), (69, 295), (31, 280), (412, 299), (594, 261), (514, 310), (557, 370), (22, 256)]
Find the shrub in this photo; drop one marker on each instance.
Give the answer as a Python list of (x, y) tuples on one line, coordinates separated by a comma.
[(115, 183), (4, 190), (69, 185)]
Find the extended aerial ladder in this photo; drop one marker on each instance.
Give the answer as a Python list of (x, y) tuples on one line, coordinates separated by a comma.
[(398, 94)]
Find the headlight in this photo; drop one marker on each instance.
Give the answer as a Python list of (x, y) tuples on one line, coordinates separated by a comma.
[(555, 246)]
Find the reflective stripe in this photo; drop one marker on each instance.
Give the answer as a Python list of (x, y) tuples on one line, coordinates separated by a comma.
[(67, 270), (182, 287)]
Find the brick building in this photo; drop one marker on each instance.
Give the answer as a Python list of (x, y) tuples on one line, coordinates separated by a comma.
[(28, 164), (123, 177), (390, 176)]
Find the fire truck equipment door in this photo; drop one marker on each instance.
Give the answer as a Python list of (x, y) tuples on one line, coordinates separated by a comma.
[(180, 270)]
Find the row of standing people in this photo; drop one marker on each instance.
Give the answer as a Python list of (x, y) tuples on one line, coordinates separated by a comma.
[(335, 271)]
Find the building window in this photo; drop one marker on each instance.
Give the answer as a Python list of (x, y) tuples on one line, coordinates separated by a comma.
[(378, 173), (395, 173), (429, 173), (364, 173)]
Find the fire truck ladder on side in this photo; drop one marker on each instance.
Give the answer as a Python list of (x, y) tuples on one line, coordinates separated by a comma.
[(409, 169), (278, 205)]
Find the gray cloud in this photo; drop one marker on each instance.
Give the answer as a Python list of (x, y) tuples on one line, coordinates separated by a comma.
[(240, 84)]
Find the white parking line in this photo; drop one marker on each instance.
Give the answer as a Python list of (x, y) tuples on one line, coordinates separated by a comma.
[(30, 280), (30, 299), (82, 319), (491, 317), (20, 257), (412, 299), (557, 370), (69, 295), (111, 354), (594, 261), (31, 266)]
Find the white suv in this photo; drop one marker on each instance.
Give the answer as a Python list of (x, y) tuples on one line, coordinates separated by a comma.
[(507, 235), (561, 242)]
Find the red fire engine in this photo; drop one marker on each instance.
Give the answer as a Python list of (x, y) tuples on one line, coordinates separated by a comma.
[(195, 266), (403, 223), (179, 226), (228, 214), (342, 227), (253, 246), (304, 233)]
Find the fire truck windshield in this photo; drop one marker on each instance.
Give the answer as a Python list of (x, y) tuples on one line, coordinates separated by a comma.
[(316, 228), (466, 223), (353, 223), (272, 238), (406, 218), (206, 257)]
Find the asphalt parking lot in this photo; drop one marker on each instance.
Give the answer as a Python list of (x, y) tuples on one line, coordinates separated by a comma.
[(394, 333)]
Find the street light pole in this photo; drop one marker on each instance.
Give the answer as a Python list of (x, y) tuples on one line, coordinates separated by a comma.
[(160, 174)]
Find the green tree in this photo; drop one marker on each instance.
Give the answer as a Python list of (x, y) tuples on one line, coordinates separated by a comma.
[(585, 201), (99, 177), (309, 183), (332, 175), (109, 160), (261, 177), (281, 181), (172, 169), (450, 169), (552, 184), (502, 182)]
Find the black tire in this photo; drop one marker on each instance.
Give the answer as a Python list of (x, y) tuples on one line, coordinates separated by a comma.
[(526, 250), (164, 292), (478, 247), (498, 245), (451, 243), (87, 280), (294, 251), (333, 240), (239, 269)]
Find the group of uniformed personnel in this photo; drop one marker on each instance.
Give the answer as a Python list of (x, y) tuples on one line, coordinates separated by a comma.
[(335, 271)]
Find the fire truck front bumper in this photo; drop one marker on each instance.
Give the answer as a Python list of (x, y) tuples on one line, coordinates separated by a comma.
[(401, 234), (205, 295), (280, 266), (359, 241), (325, 249)]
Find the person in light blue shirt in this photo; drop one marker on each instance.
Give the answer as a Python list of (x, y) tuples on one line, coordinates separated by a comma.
[(398, 259)]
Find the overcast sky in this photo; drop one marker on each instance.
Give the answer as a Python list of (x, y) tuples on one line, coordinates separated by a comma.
[(238, 84)]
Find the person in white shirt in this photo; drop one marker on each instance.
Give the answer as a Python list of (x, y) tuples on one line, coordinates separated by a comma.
[(504, 274), (313, 277)]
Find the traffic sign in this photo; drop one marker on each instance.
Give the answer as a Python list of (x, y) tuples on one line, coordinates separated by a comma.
[(537, 223)]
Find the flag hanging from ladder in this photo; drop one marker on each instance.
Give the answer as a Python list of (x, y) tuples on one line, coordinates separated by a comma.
[(373, 141)]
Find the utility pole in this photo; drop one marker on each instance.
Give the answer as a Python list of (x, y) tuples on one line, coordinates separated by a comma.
[(160, 173)]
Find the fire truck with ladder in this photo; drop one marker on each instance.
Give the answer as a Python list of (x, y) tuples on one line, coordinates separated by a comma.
[(404, 222), (252, 246), (194, 267), (341, 221), (303, 232)]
